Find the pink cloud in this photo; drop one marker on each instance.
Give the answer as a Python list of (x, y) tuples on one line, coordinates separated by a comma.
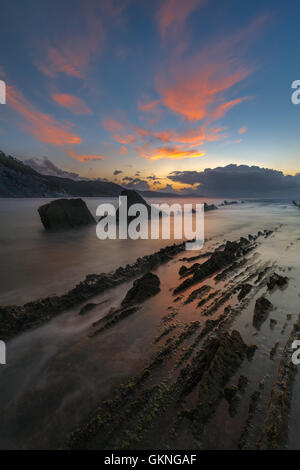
[(195, 86), (42, 126), (84, 158), (74, 104), (127, 139), (112, 125)]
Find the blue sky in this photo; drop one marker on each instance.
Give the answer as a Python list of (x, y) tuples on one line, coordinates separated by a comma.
[(148, 88)]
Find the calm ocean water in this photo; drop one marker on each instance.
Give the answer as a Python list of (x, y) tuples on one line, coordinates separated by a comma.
[(35, 264)]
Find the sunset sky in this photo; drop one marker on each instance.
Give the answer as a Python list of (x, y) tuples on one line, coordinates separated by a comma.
[(138, 89)]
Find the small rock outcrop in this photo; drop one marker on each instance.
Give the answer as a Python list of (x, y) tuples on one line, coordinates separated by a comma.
[(62, 214), (218, 260), (228, 203), (262, 308), (209, 207), (244, 290), (277, 280), (143, 288)]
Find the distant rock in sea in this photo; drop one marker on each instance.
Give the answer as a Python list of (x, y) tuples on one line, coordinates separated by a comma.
[(133, 198), (207, 208), (65, 214), (229, 203)]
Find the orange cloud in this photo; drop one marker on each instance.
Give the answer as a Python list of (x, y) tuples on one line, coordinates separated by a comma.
[(195, 96), (173, 14), (42, 126), (197, 136), (195, 86), (172, 153), (224, 107), (84, 158), (128, 139), (242, 130), (118, 130), (74, 104), (112, 125)]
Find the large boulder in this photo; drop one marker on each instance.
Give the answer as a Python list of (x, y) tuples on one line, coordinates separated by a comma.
[(261, 311), (65, 214), (143, 288)]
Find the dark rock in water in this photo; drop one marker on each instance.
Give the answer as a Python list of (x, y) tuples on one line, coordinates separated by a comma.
[(65, 214), (296, 204), (183, 269), (230, 392), (207, 207), (242, 383), (197, 293), (251, 351), (14, 318), (274, 350), (267, 233), (113, 318), (262, 308), (212, 368), (277, 280), (245, 289), (87, 308), (219, 259), (274, 430), (233, 398), (142, 289), (133, 198), (228, 203), (210, 207)]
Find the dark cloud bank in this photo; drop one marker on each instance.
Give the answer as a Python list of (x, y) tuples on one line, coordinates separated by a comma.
[(240, 181), (228, 181)]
